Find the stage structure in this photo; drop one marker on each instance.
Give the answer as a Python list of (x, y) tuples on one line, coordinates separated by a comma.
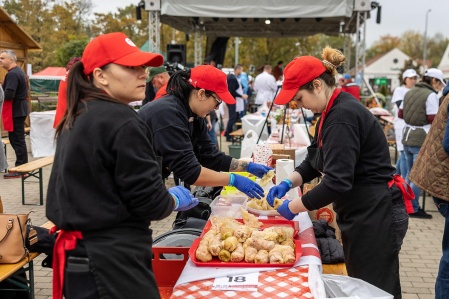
[(260, 18)]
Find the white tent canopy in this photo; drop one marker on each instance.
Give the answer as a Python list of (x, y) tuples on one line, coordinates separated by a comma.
[(246, 18)]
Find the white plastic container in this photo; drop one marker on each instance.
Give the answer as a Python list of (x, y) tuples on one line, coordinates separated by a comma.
[(228, 206)]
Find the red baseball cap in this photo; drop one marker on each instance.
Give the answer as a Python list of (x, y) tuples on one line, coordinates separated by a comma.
[(116, 48), (210, 78), (298, 72)]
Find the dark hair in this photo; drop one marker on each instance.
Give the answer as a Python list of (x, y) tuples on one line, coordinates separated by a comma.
[(80, 88), (333, 58), (326, 77), (427, 79), (179, 86)]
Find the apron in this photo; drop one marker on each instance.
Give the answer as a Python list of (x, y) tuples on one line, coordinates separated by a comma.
[(119, 259), (371, 236), (370, 239), (8, 124)]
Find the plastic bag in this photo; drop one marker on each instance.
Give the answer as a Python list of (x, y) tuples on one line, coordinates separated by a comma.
[(338, 286), (248, 144)]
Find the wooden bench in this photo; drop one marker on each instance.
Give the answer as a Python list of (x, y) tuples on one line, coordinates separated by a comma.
[(237, 136), (33, 169), (13, 272)]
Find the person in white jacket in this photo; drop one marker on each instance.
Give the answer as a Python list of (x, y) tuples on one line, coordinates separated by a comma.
[(409, 78), (265, 87)]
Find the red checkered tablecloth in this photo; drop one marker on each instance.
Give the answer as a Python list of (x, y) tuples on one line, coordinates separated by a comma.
[(289, 283)]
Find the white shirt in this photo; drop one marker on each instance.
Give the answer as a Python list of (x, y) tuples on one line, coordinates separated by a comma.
[(265, 86)]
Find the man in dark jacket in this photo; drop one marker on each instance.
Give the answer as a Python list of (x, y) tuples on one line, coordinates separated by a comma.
[(234, 87), (15, 108)]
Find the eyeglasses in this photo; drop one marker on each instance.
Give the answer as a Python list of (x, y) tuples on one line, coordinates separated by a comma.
[(219, 101)]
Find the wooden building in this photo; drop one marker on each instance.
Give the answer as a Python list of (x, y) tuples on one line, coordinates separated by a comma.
[(13, 37)]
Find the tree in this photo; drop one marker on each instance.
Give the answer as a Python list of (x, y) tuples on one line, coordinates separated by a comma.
[(69, 50)]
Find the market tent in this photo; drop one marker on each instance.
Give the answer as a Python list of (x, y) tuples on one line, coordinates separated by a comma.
[(288, 18), (47, 80)]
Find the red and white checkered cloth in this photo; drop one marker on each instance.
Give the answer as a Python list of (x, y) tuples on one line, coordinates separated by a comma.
[(197, 282)]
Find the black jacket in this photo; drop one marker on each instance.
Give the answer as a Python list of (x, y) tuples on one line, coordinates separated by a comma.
[(105, 172), (181, 139), (355, 152), (15, 88)]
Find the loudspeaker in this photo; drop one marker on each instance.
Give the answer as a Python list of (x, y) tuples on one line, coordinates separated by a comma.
[(176, 53)]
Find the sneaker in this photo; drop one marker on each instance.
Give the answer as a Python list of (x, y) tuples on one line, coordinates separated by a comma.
[(421, 214), (12, 175)]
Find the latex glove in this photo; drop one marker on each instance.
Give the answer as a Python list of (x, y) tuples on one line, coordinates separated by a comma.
[(285, 211), (258, 170), (246, 186), (184, 199), (278, 191)]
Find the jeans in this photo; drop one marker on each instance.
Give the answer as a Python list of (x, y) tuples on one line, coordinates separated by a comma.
[(411, 152), (442, 283), (401, 165), (213, 136)]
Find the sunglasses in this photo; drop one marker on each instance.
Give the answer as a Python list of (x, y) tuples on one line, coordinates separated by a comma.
[(219, 101)]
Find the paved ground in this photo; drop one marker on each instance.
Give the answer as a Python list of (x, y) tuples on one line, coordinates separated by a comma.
[(419, 257)]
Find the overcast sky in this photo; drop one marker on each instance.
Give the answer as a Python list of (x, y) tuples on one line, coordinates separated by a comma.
[(398, 16)]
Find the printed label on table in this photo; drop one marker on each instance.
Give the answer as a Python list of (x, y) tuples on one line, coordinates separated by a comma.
[(240, 282)]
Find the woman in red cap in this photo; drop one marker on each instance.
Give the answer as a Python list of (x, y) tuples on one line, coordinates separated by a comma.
[(350, 153), (105, 186), (181, 137)]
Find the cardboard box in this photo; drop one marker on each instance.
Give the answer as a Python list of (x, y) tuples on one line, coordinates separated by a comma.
[(327, 212), (279, 149)]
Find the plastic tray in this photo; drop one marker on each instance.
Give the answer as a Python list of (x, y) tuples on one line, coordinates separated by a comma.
[(217, 263)]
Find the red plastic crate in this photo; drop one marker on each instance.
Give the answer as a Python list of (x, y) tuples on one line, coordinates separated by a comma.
[(167, 271)]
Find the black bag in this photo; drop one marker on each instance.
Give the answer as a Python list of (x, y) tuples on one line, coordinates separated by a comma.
[(195, 217), (40, 240)]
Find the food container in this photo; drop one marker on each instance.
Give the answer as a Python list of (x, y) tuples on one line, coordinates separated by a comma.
[(215, 262), (228, 206)]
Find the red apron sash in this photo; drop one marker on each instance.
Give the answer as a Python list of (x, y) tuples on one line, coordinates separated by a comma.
[(8, 124), (66, 240), (406, 190)]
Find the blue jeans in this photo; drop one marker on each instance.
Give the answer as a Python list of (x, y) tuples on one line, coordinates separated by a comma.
[(401, 165), (411, 152), (442, 283), (213, 136)]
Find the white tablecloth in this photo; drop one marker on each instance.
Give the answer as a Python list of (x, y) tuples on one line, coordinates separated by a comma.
[(42, 134)]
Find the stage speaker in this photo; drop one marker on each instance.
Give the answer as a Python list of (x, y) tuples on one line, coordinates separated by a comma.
[(176, 53)]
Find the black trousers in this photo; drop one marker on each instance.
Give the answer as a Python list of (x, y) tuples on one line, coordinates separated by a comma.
[(17, 140), (232, 119)]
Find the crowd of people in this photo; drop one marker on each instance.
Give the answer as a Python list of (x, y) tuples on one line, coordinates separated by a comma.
[(105, 233)]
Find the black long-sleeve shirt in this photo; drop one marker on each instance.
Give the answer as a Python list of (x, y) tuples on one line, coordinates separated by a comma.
[(105, 172), (182, 140), (15, 88), (355, 152)]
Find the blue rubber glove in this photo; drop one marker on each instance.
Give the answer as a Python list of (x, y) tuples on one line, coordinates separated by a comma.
[(285, 211), (184, 199), (278, 191), (258, 170), (246, 186)]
